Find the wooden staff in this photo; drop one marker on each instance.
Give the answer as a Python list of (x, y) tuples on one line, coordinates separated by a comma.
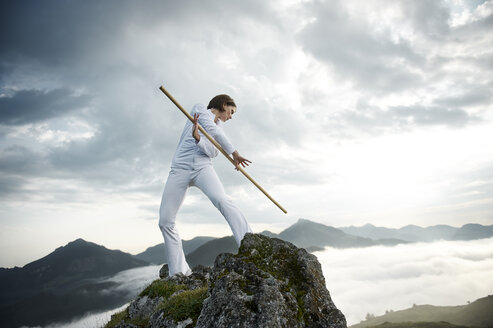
[(218, 146)]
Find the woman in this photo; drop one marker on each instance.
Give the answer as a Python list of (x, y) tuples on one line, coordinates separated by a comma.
[(192, 166)]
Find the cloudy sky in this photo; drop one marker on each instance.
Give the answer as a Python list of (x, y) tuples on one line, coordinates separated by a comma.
[(352, 112)]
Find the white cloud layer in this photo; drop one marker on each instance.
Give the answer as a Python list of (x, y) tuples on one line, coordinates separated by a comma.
[(376, 279)]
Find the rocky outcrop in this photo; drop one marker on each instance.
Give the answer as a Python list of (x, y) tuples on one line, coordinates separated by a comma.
[(269, 283)]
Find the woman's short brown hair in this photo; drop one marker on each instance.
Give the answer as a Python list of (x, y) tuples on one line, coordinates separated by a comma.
[(219, 101)]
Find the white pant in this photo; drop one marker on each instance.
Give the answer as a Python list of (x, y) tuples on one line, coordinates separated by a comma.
[(205, 179)]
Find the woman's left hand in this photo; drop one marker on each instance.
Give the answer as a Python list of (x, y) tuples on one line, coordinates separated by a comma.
[(195, 130)]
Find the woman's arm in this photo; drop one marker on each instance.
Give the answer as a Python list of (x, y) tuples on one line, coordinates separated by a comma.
[(216, 132), (207, 147), (210, 150)]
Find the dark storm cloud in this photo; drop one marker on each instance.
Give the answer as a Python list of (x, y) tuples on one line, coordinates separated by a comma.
[(10, 186), (102, 161), (51, 32), (83, 44), (5, 69), (19, 160), (62, 32), (29, 106), (17, 165)]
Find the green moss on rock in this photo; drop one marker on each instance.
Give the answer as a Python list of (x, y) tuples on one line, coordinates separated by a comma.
[(139, 321), (122, 316), (282, 264), (161, 288), (187, 304)]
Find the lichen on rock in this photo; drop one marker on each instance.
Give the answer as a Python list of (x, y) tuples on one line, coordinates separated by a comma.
[(269, 283)]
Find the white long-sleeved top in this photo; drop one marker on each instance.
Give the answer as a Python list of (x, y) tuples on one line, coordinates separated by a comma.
[(192, 155)]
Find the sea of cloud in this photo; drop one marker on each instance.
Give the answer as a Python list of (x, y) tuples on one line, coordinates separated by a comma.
[(132, 281), (374, 279)]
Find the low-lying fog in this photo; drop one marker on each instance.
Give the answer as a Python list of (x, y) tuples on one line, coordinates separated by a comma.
[(376, 279)]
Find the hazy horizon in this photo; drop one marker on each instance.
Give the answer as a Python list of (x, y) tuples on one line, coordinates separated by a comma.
[(140, 251)]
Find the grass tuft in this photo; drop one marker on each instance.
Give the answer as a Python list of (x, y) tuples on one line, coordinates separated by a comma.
[(161, 288), (187, 304)]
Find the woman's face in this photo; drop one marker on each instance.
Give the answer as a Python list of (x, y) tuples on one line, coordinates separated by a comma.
[(227, 114)]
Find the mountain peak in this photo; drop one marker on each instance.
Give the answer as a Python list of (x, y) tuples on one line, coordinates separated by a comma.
[(412, 226), (267, 283), (79, 245), (472, 225), (79, 242), (85, 256)]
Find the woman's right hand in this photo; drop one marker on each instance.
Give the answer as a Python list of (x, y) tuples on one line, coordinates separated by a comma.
[(195, 130), (238, 159)]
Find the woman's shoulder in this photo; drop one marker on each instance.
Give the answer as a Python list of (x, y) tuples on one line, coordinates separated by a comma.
[(199, 108)]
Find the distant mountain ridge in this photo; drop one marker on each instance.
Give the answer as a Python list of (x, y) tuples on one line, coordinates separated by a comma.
[(476, 314), (66, 266), (315, 236), (157, 254), (62, 284), (207, 253), (413, 233), (304, 233)]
